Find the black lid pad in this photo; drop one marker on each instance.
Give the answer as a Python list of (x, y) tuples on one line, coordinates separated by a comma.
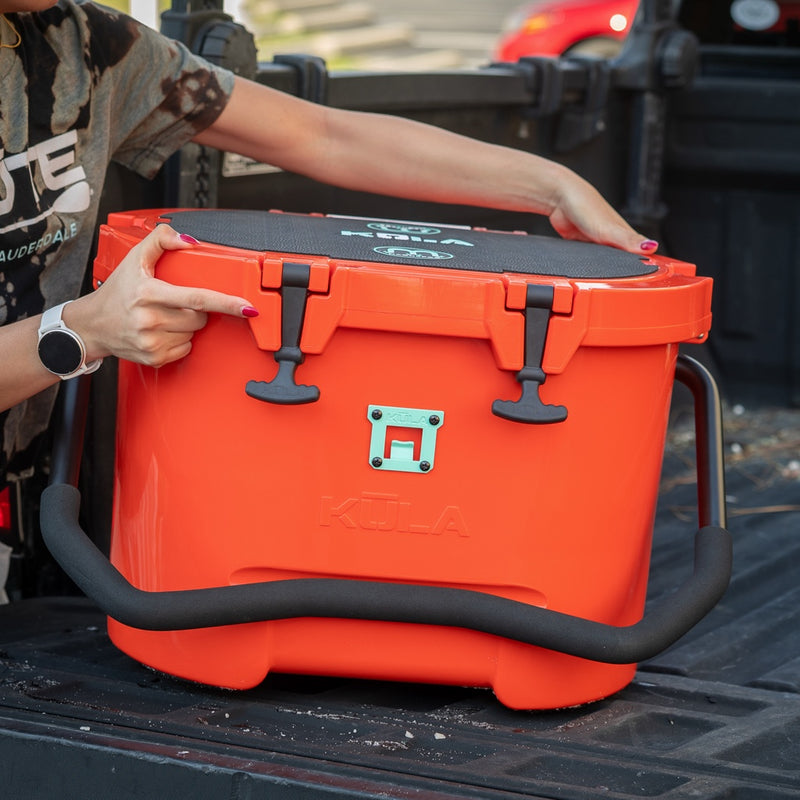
[(420, 244)]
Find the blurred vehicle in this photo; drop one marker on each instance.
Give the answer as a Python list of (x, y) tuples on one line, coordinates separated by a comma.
[(756, 23), (553, 27), (599, 27)]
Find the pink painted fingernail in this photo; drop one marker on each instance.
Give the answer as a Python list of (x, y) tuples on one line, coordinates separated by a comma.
[(648, 245), (184, 237), (249, 311)]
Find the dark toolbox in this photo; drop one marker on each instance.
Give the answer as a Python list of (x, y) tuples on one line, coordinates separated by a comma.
[(434, 456)]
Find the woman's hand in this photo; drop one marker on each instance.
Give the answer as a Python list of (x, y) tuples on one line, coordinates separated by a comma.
[(133, 315), (580, 212), (138, 317)]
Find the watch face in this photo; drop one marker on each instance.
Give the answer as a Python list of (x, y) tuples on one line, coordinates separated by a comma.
[(60, 352)]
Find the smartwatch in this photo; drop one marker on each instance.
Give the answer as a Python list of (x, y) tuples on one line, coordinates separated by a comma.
[(61, 350)]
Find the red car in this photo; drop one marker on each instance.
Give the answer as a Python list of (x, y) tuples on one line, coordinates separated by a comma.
[(598, 27), (553, 27), (5, 510)]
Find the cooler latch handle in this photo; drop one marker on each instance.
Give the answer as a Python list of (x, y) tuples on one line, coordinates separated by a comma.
[(283, 389), (530, 408)]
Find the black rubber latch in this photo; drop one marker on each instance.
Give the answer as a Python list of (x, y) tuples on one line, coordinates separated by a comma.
[(283, 389), (530, 408)]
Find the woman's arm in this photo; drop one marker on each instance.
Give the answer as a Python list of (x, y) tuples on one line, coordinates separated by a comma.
[(22, 375), (403, 158)]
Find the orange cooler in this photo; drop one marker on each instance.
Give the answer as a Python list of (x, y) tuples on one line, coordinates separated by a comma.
[(437, 412)]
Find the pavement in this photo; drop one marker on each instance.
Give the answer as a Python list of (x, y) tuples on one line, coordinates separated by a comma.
[(380, 35)]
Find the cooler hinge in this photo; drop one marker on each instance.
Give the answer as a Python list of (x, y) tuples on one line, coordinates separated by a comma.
[(283, 389), (530, 408)]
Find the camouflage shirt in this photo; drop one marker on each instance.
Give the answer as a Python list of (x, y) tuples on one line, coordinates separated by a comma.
[(86, 86)]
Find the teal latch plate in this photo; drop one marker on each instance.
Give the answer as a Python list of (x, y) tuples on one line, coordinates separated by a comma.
[(401, 451)]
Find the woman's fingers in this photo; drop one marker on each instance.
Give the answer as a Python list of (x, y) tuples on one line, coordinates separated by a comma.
[(582, 214), (138, 317), (157, 293)]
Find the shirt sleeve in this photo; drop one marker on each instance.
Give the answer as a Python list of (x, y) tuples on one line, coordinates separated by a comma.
[(160, 95)]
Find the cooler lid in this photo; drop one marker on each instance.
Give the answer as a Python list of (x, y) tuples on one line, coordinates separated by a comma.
[(528, 295), (419, 244)]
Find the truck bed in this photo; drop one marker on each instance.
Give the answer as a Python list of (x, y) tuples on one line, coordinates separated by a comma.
[(716, 716)]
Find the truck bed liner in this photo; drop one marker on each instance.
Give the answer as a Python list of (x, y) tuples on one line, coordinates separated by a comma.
[(716, 716)]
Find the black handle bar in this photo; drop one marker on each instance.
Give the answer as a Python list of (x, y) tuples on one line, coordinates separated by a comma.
[(394, 602)]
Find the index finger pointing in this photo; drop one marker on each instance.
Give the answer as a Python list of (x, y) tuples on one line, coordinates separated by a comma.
[(205, 300)]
